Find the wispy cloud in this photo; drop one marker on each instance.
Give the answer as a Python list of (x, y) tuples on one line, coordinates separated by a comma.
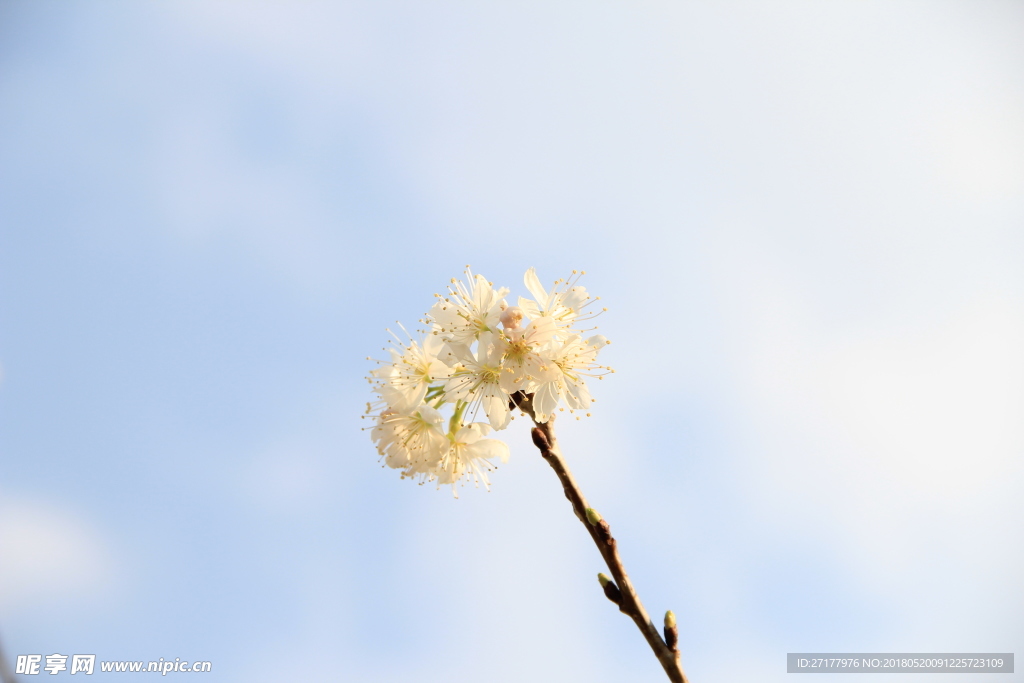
[(50, 557)]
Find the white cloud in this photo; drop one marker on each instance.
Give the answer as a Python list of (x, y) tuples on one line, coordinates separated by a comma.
[(888, 438), (937, 409), (49, 556), (979, 150)]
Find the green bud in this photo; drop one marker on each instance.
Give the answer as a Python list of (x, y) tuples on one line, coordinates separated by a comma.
[(670, 619), (593, 516), (611, 591)]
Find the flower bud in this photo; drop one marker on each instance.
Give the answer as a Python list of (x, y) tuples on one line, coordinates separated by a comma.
[(511, 317)]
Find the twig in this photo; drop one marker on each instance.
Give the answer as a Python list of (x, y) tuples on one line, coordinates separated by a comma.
[(599, 529)]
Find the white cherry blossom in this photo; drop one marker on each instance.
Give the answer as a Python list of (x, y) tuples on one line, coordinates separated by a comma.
[(477, 380), (403, 383), (522, 364), (416, 440), (563, 303), (477, 352), (570, 362), (469, 309), (470, 456)]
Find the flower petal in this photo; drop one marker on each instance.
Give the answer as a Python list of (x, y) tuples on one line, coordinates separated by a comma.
[(533, 284)]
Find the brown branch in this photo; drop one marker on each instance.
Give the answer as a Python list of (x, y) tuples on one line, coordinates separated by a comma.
[(600, 531)]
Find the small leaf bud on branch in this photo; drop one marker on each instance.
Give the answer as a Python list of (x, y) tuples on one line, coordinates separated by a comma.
[(611, 591), (671, 632)]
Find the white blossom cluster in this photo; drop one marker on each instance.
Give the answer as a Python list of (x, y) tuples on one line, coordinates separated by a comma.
[(476, 353)]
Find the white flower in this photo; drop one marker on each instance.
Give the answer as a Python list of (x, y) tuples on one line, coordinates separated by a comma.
[(477, 380), (403, 383), (522, 365), (563, 303), (469, 310), (414, 442), (469, 365), (571, 361), (469, 455)]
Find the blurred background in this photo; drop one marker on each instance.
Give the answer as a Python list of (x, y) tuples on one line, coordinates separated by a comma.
[(806, 220)]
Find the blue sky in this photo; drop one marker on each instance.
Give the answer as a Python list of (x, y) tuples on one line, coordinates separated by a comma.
[(805, 221)]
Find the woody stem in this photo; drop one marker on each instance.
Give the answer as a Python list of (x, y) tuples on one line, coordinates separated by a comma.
[(600, 532)]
